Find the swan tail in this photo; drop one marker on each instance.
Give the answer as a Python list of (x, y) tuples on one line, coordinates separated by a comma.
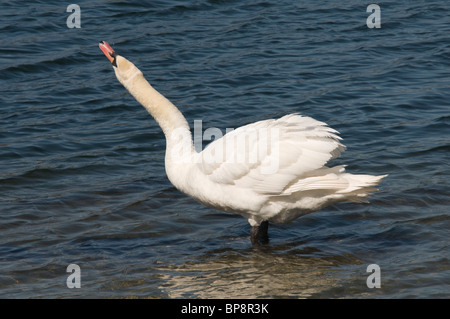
[(359, 187), (337, 183)]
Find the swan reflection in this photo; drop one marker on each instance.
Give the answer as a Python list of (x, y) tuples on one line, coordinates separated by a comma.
[(255, 275)]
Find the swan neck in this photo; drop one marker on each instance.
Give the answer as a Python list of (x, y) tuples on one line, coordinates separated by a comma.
[(169, 118)]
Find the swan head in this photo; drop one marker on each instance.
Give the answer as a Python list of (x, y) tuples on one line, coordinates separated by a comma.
[(124, 69)]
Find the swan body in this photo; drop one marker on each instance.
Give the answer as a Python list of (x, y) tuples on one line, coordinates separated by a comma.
[(271, 170)]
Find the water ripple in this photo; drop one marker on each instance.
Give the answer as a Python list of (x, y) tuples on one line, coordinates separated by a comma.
[(82, 164)]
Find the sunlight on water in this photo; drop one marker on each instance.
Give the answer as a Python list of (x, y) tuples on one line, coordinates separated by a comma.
[(255, 276)]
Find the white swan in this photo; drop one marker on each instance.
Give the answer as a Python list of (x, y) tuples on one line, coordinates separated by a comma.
[(272, 170)]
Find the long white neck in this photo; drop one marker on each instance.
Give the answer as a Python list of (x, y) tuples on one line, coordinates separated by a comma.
[(170, 119)]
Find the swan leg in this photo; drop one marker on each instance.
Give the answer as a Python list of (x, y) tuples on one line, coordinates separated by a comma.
[(258, 234)]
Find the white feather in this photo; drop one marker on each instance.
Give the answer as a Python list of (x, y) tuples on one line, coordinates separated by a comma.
[(269, 170)]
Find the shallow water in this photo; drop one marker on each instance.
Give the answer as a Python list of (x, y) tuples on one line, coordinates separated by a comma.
[(82, 175)]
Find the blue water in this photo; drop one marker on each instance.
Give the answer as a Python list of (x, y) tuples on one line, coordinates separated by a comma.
[(82, 175)]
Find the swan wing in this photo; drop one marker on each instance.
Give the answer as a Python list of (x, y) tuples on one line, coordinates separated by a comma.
[(269, 156)]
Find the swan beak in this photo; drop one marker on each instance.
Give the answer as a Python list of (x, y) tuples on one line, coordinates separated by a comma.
[(108, 51)]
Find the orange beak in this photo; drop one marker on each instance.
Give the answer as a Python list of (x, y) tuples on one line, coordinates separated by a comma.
[(108, 51)]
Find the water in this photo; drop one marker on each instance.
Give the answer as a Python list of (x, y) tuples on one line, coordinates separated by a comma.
[(82, 164)]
